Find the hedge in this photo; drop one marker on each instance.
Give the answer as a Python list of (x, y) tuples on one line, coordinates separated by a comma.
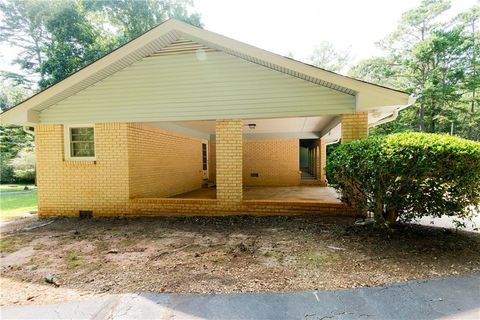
[(408, 175)]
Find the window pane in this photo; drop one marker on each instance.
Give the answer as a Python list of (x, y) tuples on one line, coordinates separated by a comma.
[(83, 149), (81, 134), (82, 142)]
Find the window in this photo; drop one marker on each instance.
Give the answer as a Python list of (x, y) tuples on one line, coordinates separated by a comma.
[(80, 142)]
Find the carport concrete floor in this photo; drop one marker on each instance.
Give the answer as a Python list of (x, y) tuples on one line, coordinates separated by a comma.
[(296, 193)]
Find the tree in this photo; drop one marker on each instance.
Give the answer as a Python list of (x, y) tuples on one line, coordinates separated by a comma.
[(23, 165), (326, 56), (75, 42), (469, 21), (13, 89), (23, 27), (56, 38), (437, 61), (134, 17), (441, 58), (384, 71), (415, 27), (12, 138)]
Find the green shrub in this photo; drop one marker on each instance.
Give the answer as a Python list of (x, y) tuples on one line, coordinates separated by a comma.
[(408, 175), (23, 165), (6, 171)]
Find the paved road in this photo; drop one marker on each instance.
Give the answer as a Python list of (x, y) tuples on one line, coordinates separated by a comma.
[(444, 298)]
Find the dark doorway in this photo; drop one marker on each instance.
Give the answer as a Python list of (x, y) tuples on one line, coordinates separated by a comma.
[(309, 155)]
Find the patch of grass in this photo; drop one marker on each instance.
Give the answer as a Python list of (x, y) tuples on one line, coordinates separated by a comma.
[(6, 244), (12, 244), (16, 205), (318, 259), (73, 259)]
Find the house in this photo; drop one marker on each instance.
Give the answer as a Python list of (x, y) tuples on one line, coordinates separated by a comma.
[(185, 121)]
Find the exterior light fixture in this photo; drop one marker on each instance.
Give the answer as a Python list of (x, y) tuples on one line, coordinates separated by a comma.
[(252, 125)]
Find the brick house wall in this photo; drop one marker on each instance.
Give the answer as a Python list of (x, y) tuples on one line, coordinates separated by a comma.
[(162, 163), (277, 162), (65, 187), (212, 164), (354, 126), (135, 165)]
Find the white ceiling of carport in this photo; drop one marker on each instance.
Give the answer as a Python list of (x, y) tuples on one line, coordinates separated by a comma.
[(279, 125)]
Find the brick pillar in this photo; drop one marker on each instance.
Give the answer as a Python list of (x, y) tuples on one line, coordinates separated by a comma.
[(229, 160), (322, 160), (354, 126)]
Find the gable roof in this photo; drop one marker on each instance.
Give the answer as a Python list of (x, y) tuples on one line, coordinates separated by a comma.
[(368, 96)]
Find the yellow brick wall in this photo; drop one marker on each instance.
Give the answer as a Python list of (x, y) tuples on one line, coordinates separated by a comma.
[(65, 187), (212, 168), (124, 167), (277, 162), (229, 160), (354, 126), (162, 163)]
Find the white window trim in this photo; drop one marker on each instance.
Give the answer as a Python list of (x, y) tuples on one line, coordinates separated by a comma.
[(67, 144)]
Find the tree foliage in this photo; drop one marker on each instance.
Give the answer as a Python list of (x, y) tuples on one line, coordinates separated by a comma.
[(12, 140), (24, 27), (56, 38), (326, 56), (436, 61), (75, 42), (408, 175), (134, 17), (23, 165)]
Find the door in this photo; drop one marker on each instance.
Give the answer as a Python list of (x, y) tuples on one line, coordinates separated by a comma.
[(205, 159)]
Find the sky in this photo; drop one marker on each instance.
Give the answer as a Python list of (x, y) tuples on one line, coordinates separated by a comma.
[(297, 26)]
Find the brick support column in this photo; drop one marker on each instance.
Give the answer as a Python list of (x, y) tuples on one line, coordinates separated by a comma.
[(229, 160), (322, 160), (354, 126)]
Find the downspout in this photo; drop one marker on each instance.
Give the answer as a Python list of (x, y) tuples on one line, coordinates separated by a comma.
[(387, 119), (27, 130), (394, 115), (332, 142)]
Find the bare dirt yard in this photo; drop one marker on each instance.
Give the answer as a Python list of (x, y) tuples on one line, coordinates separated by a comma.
[(230, 254)]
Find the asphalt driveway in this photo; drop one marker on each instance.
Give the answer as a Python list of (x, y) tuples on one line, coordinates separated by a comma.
[(456, 297)]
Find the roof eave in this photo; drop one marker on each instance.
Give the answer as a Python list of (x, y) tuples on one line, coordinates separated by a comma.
[(370, 96)]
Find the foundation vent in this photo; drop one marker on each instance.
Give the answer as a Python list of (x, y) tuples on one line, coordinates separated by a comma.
[(85, 214)]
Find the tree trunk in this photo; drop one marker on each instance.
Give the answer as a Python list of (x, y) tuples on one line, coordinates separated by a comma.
[(378, 213), (391, 216), (421, 115)]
